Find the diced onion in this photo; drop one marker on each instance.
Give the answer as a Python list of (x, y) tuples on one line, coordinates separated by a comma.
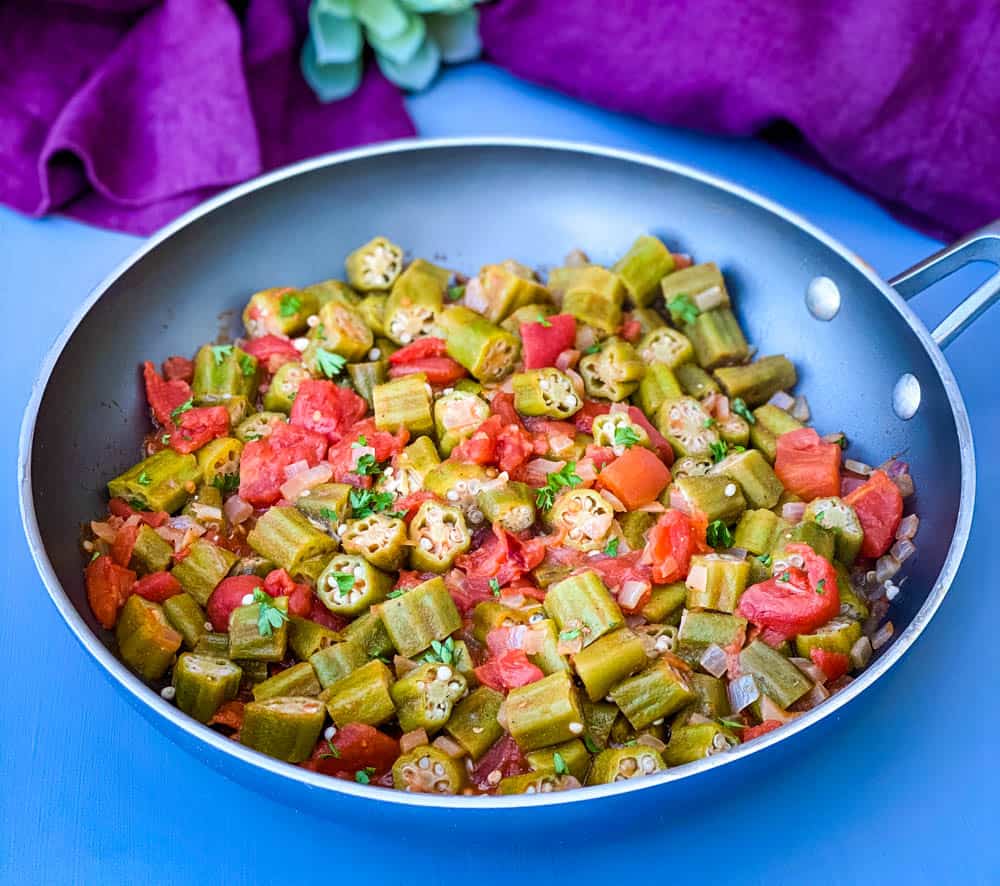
[(857, 467), (298, 483), (618, 409), (817, 695), (697, 718), (743, 692), (650, 741), (709, 298), (800, 410), (861, 652), (570, 647), (809, 668), (783, 400), (697, 577), (904, 483), (908, 526), (403, 665), (903, 549), (534, 640), (793, 511), (412, 739), (654, 507), (714, 660), (883, 635), (577, 380), (568, 359), (770, 710), (631, 593), (537, 470), (296, 467), (886, 567), (678, 501), (613, 500), (452, 748), (103, 531), (237, 510)]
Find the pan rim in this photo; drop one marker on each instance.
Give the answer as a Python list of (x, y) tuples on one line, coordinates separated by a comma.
[(150, 702)]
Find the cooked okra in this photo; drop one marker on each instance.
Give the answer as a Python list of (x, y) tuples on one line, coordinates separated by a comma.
[(614, 372), (438, 534), (546, 392)]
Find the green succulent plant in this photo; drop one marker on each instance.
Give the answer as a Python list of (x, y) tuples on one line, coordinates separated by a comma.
[(411, 39)]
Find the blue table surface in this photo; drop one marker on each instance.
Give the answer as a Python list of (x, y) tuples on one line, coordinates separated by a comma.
[(898, 784)]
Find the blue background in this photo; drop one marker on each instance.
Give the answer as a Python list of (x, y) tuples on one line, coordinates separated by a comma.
[(898, 783)]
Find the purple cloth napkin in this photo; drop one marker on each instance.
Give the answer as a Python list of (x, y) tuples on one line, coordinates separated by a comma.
[(902, 97), (125, 113)]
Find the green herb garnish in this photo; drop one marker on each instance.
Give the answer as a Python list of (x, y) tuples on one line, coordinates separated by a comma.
[(570, 635), (559, 764), (764, 559), (564, 478), (220, 352), (611, 548), (269, 616), (542, 321), (443, 652), (328, 514), (345, 582), (495, 587), (165, 439), (682, 308), (289, 305), (247, 365), (364, 776), (180, 410), (821, 586), (732, 724), (591, 745), (786, 575), (226, 483), (709, 422), (455, 292), (719, 535), (743, 411), (332, 751), (626, 435), (144, 479), (719, 450), (329, 364), (392, 595), (364, 502)]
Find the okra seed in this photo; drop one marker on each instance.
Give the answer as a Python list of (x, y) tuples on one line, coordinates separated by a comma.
[(477, 730), (658, 722), (247, 599), (439, 769), (406, 338), (342, 528), (424, 763), (329, 732), (426, 543), (452, 495), (494, 777), (208, 626), (312, 320), (576, 728), (300, 344), (444, 673), (388, 472), (730, 490), (374, 354), (168, 692), (304, 492), (648, 764)]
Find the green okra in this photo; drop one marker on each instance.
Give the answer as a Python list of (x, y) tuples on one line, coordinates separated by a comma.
[(491, 614), (820, 539), (694, 381), (379, 538), (372, 310), (654, 693), (608, 660), (698, 630), (284, 387), (585, 518), (254, 671), (621, 764), (613, 372), (547, 392), (717, 497), (642, 268), (349, 585), (258, 426), (428, 770), (219, 461), (414, 305), (326, 504), (419, 616), (223, 373), (473, 722), (186, 617), (501, 289), (582, 606), (363, 696), (203, 568), (212, 644), (594, 296), (541, 781), (598, 719), (694, 741), (287, 728), (543, 713), (775, 674), (511, 505), (151, 553), (687, 427), (246, 638), (162, 482), (286, 537), (634, 526), (374, 266), (253, 565), (341, 331), (307, 637), (370, 633), (488, 352), (716, 581), (756, 478), (404, 403), (698, 284), (424, 698), (757, 382), (734, 430), (533, 313), (712, 698), (299, 680), (851, 604), (717, 339), (619, 431), (665, 603), (333, 662), (146, 641), (332, 290), (573, 758), (278, 311), (839, 518), (439, 534), (757, 531), (456, 416), (659, 383), (206, 507), (667, 346), (837, 635), (202, 684), (547, 658)]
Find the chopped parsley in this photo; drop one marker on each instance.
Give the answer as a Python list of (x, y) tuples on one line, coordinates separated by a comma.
[(819, 516), (364, 502), (165, 439), (367, 466), (786, 575), (842, 442), (220, 352), (591, 745), (455, 292), (226, 483), (719, 450), (558, 763), (332, 751), (269, 616), (719, 535), (360, 442), (329, 364), (345, 582), (764, 559), (682, 308), (821, 586), (731, 724), (709, 422), (626, 435), (94, 556), (144, 479), (570, 635), (611, 548), (565, 478), (180, 410), (328, 514), (743, 411), (392, 595), (364, 776), (495, 587), (542, 321), (443, 652), (248, 365), (593, 349), (289, 305)]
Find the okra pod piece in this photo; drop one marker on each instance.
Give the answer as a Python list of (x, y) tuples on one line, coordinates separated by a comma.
[(775, 674), (223, 373), (284, 387), (151, 553), (699, 630), (409, 468), (372, 310), (287, 728), (665, 603), (547, 658), (734, 430), (821, 540), (771, 422), (608, 660), (331, 290), (286, 537), (584, 516), (659, 384), (618, 431), (540, 781), (404, 403), (499, 290), (219, 461), (212, 644), (457, 482), (186, 617), (614, 372), (491, 614), (690, 466), (414, 305), (424, 698), (342, 331), (581, 603), (718, 498), (694, 381), (370, 633), (146, 642), (258, 426), (712, 699), (838, 517), (254, 671), (419, 616), (716, 581), (642, 268), (439, 534), (456, 416), (512, 505), (545, 392), (573, 758), (717, 339), (473, 723), (378, 538), (374, 266), (598, 719), (667, 346), (658, 691), (202, 684), (701, 286), (757, 382), (363, 696), (307, 637), (162, 482), (299, 680), (592, 284), (531, 313), (484, 349), (249, 639), (334, 662), (687, 427), (206, 507), (203, 568), (695, 741), (634, 526), (325, 505), (543, 713), (349, 585), (837, 635), (757, 531), (621, 764), (280, 310), (756, 478), (851, 605), (428, 770)]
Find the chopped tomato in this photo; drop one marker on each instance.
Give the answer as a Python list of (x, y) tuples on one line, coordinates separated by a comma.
[(585, 415), (327, 408), (541, 343), (285, 436), (121, 508), (502, 760), (879, 506), (480, 448), (797, 601), (356, 746), (323, 616), (615, 571), (227, 596), (178, 369), (229, 714), (163, 396), (508, 670), (263, 462), (278, 583), (833, 664), (502, 556), (660, 445), (631, 331), (635, 478), (506, 446), (806, 465), (108, 587), (421, 349), (409, 504), (600, 456), (752, 732), (125, 538), (157, 586), (439, 370), (502, 405), (514, 447), (672, 542), (410, 578), (196, 427), (272, 351)]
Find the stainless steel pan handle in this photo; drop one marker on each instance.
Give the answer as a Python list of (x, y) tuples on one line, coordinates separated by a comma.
[(981, 245)]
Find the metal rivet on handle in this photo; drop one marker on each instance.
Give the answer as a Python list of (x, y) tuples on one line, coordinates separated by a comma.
[(823, 298), (906, 396)]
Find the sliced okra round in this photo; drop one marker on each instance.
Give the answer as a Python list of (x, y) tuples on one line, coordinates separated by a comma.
[(687, 426), (428, 770), (546, 392), (379, 538), (621, 764), (374, 266), (584, 516), (424, 698), (439, 534), (350, 584)]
